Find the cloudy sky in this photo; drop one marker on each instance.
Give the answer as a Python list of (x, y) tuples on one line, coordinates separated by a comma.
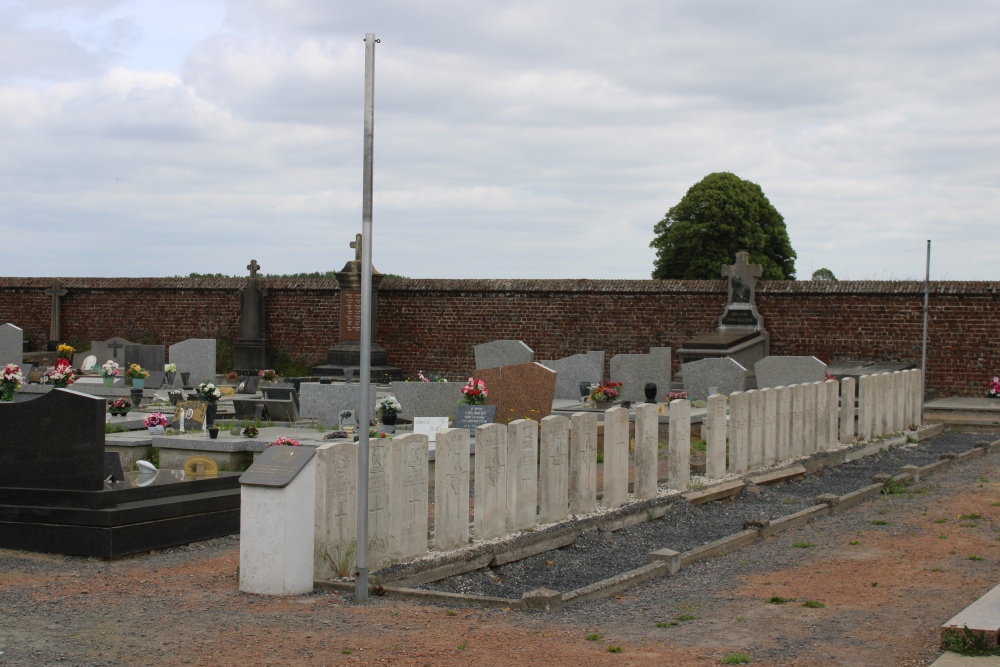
[(539, 139)]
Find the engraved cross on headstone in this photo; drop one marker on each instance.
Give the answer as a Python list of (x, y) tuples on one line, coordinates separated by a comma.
[(55, 292), (115, 346), (742, 279), (357, 245), (253, 266)]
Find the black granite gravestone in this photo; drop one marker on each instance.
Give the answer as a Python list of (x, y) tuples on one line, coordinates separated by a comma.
[(149, 357), (471, 416)]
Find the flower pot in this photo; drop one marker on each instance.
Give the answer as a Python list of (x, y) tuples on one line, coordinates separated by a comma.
[(170, 378), (603, 405), (213, 432), (211, 410), (389, 418), (138, 383), (155, 430), (108, 381), (650, 391)]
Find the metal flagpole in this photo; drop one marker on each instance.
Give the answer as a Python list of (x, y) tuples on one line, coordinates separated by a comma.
[(923, 355), (364, 413)]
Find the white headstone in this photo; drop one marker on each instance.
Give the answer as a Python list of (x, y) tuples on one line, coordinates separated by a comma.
[(866, 407), (739, 432), (906, 377), (809, 418), (770, 426), (679, 452), (451, 489), (11, 345), (715, 437), (798, 444), (878, 415), (336, 509), (847, 410), (784, 423), (899, 396), (408, 500), (553, 470), (833, 412), (755, 450), (380, 538), (522, 474), (429, 426), (917, 396), (583, 463), (822, 418), (647, 430), (491, 481), (615, 457)]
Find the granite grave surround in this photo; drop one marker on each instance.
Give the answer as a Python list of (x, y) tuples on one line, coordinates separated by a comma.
[(502, 353), (776, 371), (11, 345), (53, 497), (520, 391), (724, 373), (572, 370), (195, 356), (634, 371)]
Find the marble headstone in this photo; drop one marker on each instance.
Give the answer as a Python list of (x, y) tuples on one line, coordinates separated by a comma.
[(195, 356), (723, 373), (634, 371), (503, 353), (427, 399), (572, 370), (323, 402), (11, 345), (786, 371)]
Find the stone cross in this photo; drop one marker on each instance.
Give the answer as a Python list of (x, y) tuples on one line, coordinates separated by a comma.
[(742, 279), (253, 266), (115, 346), (357, 245), (55, 292)]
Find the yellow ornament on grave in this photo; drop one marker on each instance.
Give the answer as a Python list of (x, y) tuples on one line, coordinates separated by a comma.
[(201, 466)]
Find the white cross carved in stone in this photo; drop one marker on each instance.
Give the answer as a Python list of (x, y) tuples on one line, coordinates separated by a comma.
[(494, 468), (558, 446), (414, 504), (589, 449), (341, 517)]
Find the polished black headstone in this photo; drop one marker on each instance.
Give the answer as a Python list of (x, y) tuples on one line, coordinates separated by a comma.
[(471, 416), (149, 357), (113, 467), (248, 384), (277, 466)]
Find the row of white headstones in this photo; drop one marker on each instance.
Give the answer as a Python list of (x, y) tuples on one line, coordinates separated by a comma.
[(529, 473)]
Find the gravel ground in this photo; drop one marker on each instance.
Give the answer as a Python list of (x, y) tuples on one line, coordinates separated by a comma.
[(598, 555)]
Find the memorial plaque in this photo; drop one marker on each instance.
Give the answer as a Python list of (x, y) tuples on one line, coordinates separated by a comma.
[(739, 318), (350, 314), (347, 419), (429, 426), (471, 416), (189, 415), (277, 466)]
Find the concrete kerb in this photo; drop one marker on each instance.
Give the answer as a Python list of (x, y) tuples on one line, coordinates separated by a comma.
[(663, 562)]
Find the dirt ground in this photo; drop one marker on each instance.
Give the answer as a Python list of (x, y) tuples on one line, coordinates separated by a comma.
[(887, 574)]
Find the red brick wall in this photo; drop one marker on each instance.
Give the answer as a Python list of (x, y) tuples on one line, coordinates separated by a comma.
[(431, 325)]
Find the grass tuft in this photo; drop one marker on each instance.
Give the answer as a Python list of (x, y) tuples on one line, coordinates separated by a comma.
[(593, 637), (737, 658), (777, 599), (802, 544), (614, 648), (813, 604)]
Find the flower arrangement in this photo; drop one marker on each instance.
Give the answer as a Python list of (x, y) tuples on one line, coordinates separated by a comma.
[(170, 368), (250, 431), (674, 395), (994, 389), (155, 419), (474, 392), (432, 377), (603, 392), (282, 440), (136, 372), (65, 352), (10, 382), (335, 435), (209, 392), (267, 374), (60, 375), (109, 369), (232, 375), (390, 404), (119, 407), (374, 433)]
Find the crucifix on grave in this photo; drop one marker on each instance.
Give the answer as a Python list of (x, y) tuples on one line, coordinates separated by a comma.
[(55, 292), (251, 346)]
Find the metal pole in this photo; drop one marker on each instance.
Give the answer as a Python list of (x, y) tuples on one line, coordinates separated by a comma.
[(923, 355), (364, 413)]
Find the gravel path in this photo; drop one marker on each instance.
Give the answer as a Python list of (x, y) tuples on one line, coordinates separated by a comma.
[(598, 555)]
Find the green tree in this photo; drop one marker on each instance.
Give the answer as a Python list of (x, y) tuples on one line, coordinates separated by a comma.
[(719, 216), (824, 274)]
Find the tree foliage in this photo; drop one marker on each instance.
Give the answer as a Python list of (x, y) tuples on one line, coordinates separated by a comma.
[(719, 216), (824, 274)]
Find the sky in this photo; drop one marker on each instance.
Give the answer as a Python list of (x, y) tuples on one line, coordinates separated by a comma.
[(539, 139)]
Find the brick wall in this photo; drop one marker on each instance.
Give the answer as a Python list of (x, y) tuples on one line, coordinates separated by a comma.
[(431, 325)]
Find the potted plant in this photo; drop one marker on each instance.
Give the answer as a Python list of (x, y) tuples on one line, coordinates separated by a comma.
[(171, 371), (210, 393), (109, 371), (604, 394), (267, 376), (994, 389), (213, 432), (10, 382), (287, 442), (250, 431), (390, 408), (430, 377), (674, 395), (155, 423), (137, 375), (65, 352), (60, 375), (119, 407), (474, 392)]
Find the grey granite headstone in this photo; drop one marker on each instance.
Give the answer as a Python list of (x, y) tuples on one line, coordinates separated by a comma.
[(149, 357), (323, 402), (427, 399), (112, 348), (195, 356), (723, 373), (11, 345), (503, 353), (786, 371), (571, 371), (635, 370), (155, 379)]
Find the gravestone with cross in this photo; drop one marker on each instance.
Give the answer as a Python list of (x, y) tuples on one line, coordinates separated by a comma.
[(112, 349), (251, 346), (55, 292)]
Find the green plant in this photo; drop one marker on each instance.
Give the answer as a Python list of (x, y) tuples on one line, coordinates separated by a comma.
[(667, 624), (154, 456), (593, 637), (687, 617), (880, 522), (698, 446), (450, 612), (113, 428), (777, 599), (790, 501), (345, 651), (813, 604), (801, 544), (600, 457), (854, 543), (738, 658), (941, 520), (953, 551), (614, 649), (697, 485), (893, 486), (969, 642), (649, 515), (912, 439), (461, 647), (970, 517), (942, 536), (975, 557), (874, 584)]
